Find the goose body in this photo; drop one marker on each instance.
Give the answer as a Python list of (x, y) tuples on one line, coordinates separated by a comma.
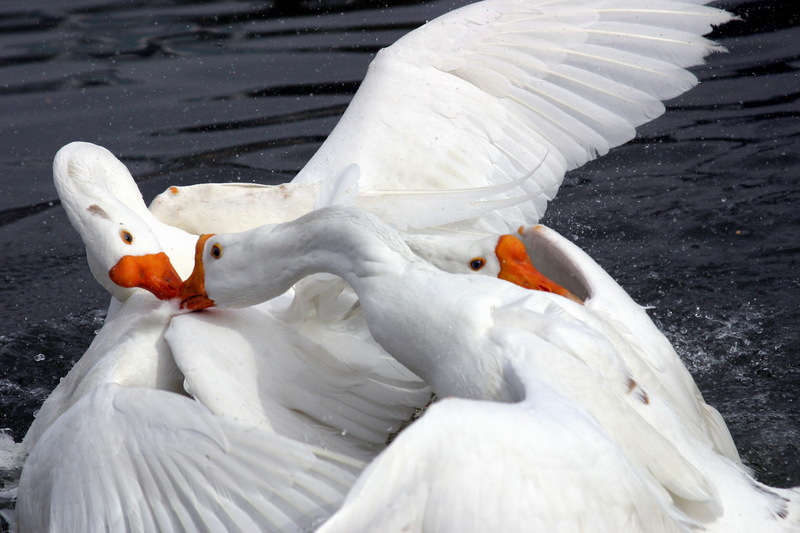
[(481, 339), (499, 100), (491, 124), (298, 374)]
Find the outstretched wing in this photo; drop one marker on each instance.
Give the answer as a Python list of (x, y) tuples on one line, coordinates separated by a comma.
[(132, 459), (485, 94)]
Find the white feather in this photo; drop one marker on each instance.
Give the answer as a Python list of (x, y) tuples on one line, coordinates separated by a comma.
[(481, 97), (342, 190)]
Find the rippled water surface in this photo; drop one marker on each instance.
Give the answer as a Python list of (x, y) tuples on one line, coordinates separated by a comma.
[(698, 217)]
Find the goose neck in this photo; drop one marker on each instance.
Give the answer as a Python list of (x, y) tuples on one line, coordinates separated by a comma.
[(345, 242)]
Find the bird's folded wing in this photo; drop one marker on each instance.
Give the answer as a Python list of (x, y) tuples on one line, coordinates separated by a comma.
[(474, 466), (323, 385), (128, 459), (651, 358)]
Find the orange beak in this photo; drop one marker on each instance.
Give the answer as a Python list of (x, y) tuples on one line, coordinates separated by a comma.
[(153, 272), (516, 267), (193, 291)]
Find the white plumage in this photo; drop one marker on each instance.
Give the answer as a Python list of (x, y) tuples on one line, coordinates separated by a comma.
[(110, 426), (471, 122), (478, 338), (128, 456), (489, 104)]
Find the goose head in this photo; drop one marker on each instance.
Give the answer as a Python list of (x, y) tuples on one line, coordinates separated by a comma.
[(122, 250), (502, 256), (243, 269), (247, 268)]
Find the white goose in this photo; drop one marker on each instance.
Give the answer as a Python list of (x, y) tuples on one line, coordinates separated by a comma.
[(312, 380), (499, 99), (304, 378), (103, 427), (541, 464), (563, 268), (478, 85), (118, 446), (478, 338)]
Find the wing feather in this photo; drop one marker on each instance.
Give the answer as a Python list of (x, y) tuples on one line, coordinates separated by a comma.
[(473, 466), (310, 380), (487, 90), (163, 462), (478, 115)]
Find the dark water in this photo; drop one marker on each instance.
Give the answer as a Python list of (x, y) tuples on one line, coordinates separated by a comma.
[(699, 217)]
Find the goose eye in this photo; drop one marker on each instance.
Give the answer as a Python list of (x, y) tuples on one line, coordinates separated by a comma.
[(477, 263), (126, 236), (216, 251)]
